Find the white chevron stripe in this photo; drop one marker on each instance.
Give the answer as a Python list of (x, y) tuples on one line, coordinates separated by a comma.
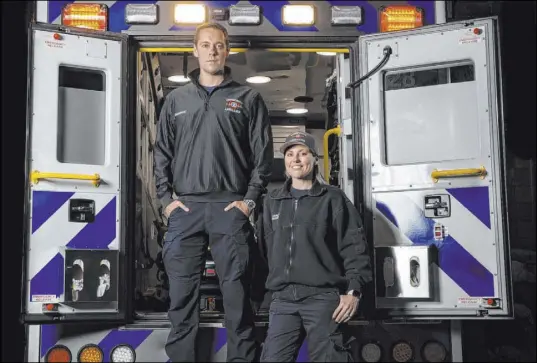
[(221, 355), (57, 232), (152, 349)]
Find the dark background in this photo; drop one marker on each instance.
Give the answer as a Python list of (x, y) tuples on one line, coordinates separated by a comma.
[(518, 20)]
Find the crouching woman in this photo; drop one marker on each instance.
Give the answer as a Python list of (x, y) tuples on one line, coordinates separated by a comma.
[(312, 238)]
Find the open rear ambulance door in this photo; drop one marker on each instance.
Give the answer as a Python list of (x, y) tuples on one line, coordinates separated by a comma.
[(77, 265), (432, 152)]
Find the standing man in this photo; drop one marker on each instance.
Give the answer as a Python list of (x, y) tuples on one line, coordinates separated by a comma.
[(214, 151)]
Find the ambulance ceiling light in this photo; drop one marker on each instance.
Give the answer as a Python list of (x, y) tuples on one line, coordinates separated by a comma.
[(141, 14), (303, 99), (190, 14), (327, 54), (244, 15), (346, 15), (297, 111), (179, 78), (258, 79), (298, 15)]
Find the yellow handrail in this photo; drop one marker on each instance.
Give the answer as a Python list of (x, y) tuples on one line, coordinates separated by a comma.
[(334, 131), (437, 174), (36, 175), (242, 50)]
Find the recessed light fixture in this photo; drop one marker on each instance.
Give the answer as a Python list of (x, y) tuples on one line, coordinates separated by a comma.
[(297, 111), (327, 53), (178, 79), (258, 79), (303, 99), (231, 53)]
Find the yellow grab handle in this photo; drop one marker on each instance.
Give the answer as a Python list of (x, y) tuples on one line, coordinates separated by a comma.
[(334, 131), (437, 174), (36, 175)]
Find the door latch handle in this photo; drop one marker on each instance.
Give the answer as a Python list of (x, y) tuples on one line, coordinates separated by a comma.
[(457, 173), (37, 175)]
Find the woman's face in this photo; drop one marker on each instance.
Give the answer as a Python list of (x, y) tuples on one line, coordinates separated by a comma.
[(299, 162)]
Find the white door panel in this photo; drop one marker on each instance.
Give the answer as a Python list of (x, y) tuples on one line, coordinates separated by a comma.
[(435, 106), (76, 110), (74, 197)]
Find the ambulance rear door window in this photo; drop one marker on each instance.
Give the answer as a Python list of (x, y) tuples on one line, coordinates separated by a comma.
[(81, 116)]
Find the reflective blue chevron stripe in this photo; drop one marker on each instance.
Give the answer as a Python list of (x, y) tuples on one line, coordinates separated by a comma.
[(459, 264)]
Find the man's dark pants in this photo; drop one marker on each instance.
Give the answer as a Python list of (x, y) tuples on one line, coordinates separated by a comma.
[(298, 308), (230, 236)]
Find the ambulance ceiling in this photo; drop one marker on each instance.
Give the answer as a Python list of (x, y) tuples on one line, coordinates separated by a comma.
[(292, 75)]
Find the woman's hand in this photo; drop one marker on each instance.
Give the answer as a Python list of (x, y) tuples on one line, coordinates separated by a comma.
[(348, 304)]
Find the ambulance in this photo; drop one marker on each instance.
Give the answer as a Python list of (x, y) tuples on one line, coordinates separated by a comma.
[(406, 108)]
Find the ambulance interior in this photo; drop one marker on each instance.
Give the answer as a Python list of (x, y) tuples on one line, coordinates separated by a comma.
[(290, 83)]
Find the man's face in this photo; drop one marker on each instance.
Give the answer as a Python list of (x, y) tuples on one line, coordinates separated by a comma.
[(211, 50)]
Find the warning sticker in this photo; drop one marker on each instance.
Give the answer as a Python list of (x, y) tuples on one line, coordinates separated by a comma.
[(468, 40), (44, 298), (51, 44), (470, 301)]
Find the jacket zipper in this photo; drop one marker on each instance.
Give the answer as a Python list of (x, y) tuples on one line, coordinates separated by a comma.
[(206, 100), (295, 206)]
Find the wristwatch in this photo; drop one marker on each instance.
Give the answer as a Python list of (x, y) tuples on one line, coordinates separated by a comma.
[(250, 204), (354, 293)]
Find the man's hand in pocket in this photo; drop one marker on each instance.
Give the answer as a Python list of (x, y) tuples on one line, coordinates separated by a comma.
[(171, 207)]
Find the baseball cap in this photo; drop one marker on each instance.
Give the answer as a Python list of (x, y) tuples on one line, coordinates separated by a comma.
[(299, 138)]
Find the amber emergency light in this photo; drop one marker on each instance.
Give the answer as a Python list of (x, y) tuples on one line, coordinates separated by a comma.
[(57, 354), (87, 16), (400, 17), (90, 353)]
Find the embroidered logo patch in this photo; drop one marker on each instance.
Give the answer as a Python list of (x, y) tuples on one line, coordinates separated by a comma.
[(233, 105)]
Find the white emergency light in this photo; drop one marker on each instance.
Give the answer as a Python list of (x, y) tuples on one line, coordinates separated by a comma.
[(190, 14), (141, 14), (122, 353), (346, 15), (433, 351), (244, 14), (371, 352), (298, 14)]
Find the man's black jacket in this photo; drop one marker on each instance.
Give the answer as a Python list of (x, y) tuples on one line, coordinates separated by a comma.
[(213, 147)]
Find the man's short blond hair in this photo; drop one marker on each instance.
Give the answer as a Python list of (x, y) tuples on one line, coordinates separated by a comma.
[(211, 26)]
